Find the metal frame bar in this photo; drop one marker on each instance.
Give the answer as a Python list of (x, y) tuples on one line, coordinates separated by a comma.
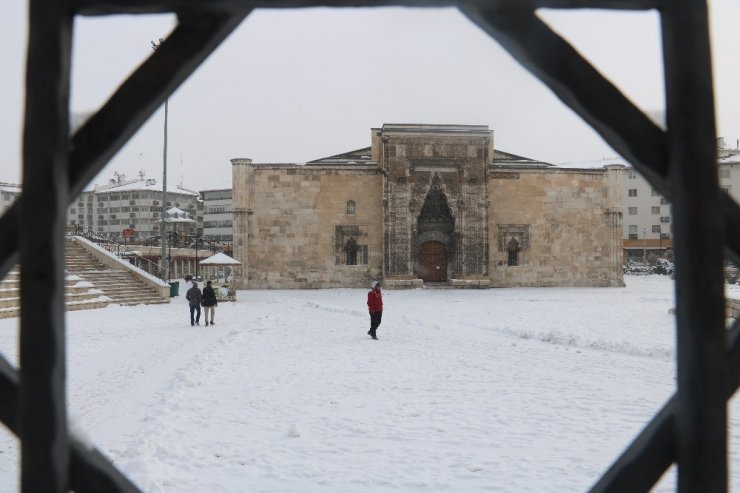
[(691, 427), (42, 403)]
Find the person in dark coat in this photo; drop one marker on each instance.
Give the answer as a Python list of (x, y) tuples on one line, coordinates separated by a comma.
[(375, 306), (209, 302), (194, 297)]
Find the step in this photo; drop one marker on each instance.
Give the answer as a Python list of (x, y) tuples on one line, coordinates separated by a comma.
[(134, 301), (11, 302)]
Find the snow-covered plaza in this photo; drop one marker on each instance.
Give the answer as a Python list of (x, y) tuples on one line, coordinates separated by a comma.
[(502, 390)]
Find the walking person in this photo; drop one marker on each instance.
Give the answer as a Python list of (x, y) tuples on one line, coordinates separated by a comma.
[(375, 306), (194, 297), (209, 302)]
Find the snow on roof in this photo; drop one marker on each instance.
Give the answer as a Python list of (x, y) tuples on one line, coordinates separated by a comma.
[(219, 259), (598, 163), (175, 215), (731, 157), (143, 184), (221, 186), (11, 187)]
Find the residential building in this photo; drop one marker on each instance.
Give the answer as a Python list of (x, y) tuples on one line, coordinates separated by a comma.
[(131, 204), (9, 193), (648, 221), (218, 217)]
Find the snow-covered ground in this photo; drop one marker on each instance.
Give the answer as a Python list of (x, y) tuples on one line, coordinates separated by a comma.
[(501, 390)]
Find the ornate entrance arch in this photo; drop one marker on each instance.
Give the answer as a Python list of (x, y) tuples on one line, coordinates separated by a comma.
[(435, 227)]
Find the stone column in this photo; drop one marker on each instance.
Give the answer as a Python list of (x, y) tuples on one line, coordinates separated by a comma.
[(614, 209), (243, 186)]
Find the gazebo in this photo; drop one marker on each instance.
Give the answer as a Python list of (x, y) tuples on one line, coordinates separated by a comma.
[(217, 267)]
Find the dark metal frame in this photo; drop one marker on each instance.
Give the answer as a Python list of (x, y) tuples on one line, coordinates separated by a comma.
[(690, 430)]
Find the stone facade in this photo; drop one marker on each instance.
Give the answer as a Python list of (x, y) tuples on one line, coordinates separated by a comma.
[(426, 204)]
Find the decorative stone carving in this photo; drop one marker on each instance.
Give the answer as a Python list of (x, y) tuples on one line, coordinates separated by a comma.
[(516, 232)]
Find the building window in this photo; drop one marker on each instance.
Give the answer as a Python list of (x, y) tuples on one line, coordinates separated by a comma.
[(655, 210), (350, 249), (654, 192), (512, 252), (663, 201), (665, 219), (350, 244), (632, 211), (350, 207), (724, 172), (631, 174), (633, 231), (632, 192), (73, 211), (656, 228)]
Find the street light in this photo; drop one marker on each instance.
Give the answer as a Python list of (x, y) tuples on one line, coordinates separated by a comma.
[(644, 249), (165, 262)]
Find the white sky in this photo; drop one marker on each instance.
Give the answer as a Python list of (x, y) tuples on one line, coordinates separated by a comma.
[(292, 86)]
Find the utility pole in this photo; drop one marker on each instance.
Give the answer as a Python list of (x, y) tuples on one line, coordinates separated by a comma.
[(644, 249), (164, 261)]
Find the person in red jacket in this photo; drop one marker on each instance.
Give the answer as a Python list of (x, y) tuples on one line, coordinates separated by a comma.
[(375, 306)]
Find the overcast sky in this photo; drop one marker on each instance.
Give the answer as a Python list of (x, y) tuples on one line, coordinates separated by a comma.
[(292, 86)]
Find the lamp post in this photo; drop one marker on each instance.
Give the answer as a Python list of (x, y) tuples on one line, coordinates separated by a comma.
[(196, 254), (165, 264), (644, 249)]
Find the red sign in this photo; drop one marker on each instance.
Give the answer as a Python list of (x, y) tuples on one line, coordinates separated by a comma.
[(127, 233)]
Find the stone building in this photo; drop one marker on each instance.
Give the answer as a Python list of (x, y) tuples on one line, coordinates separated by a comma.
[(427, 204)]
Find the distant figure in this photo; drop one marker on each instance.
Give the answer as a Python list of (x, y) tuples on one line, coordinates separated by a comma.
[(194, 297), (375, 306), (209, 302)]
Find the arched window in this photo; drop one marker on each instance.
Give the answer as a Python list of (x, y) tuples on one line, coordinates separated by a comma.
[(512, 249), (350, 249), (350, 207)]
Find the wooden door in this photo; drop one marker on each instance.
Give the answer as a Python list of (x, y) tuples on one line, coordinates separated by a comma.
[(433, 261)]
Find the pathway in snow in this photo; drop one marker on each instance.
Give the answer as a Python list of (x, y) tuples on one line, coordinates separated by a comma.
[(514, 390)]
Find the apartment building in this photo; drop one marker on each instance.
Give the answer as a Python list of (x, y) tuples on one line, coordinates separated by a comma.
[(218, 217), (9, 193), (648, 222), (132, 204)]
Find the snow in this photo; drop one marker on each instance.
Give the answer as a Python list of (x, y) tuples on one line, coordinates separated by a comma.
[(599, 163), (502, 390), (125, 264), (219, 258)]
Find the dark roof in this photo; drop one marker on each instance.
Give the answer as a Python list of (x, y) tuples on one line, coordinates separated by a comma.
[(358, 156)]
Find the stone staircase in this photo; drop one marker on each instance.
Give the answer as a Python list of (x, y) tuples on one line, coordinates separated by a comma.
[(78, 295), (120, 285), (88, 284)]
